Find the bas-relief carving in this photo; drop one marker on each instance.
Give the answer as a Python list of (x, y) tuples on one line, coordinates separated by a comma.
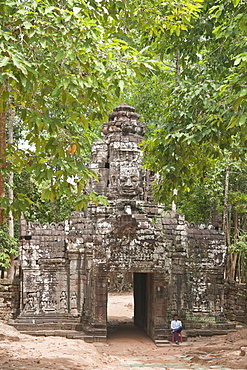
[(73, 301), (218, 304), (174, 304), (63, 301), (31, 302), (46, 302)]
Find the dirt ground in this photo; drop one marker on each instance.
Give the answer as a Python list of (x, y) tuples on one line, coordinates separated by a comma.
[(127, 347)]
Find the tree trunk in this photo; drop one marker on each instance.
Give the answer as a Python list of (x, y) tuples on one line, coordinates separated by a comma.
[(174, 206), (225, 216), (232, 262), (177, 59), (244, 222), (2, 157), (11, 270), (11, 175), (231, 258)]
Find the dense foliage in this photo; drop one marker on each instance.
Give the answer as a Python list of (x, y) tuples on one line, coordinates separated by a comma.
[(204, 104), (8, 247), (62, 65), (40, 210), (195, 108)]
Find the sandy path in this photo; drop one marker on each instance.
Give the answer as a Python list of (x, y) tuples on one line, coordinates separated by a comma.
[(120, 306), (127, 347)]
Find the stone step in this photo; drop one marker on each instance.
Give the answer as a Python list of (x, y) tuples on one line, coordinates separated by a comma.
[(89, 339), (70, 334), (76, 336), (168, 337), (96, 331), (47, 326), (44, 319), (46, 333), (99, 338), (162, 342)]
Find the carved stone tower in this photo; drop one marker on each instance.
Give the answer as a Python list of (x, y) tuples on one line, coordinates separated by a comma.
[(176, 266)]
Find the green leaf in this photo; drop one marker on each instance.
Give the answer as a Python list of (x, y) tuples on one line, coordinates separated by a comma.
[(235, 2), (18, 64), (242, 120), (45, 194), (243, 92), (4, 61), (60, 55)]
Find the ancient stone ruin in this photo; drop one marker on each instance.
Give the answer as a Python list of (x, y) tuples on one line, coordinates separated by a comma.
[(176, 266)]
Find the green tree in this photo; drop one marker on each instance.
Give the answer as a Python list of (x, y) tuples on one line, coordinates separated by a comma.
[(239, 251), (222, 200), (8, 247), (63, 65), (57, 57), (40, 210), (200, 119), (195, 108)]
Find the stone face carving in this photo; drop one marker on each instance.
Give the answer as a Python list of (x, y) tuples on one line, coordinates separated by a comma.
[(174, 263), (129, 182)]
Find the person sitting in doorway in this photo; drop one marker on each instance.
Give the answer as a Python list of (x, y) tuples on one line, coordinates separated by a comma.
[(176, 327)]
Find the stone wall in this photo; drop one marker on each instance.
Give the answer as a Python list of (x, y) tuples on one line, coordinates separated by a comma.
[(236, 302), (197, 269), (51, 272), (9, 300)]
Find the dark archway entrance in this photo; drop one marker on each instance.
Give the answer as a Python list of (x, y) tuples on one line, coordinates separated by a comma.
[(143, 298), (150, 300), (150, 303), (143, 292), (140, 300)]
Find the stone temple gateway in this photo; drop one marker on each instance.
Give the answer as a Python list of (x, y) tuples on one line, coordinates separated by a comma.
[(176, 266)]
